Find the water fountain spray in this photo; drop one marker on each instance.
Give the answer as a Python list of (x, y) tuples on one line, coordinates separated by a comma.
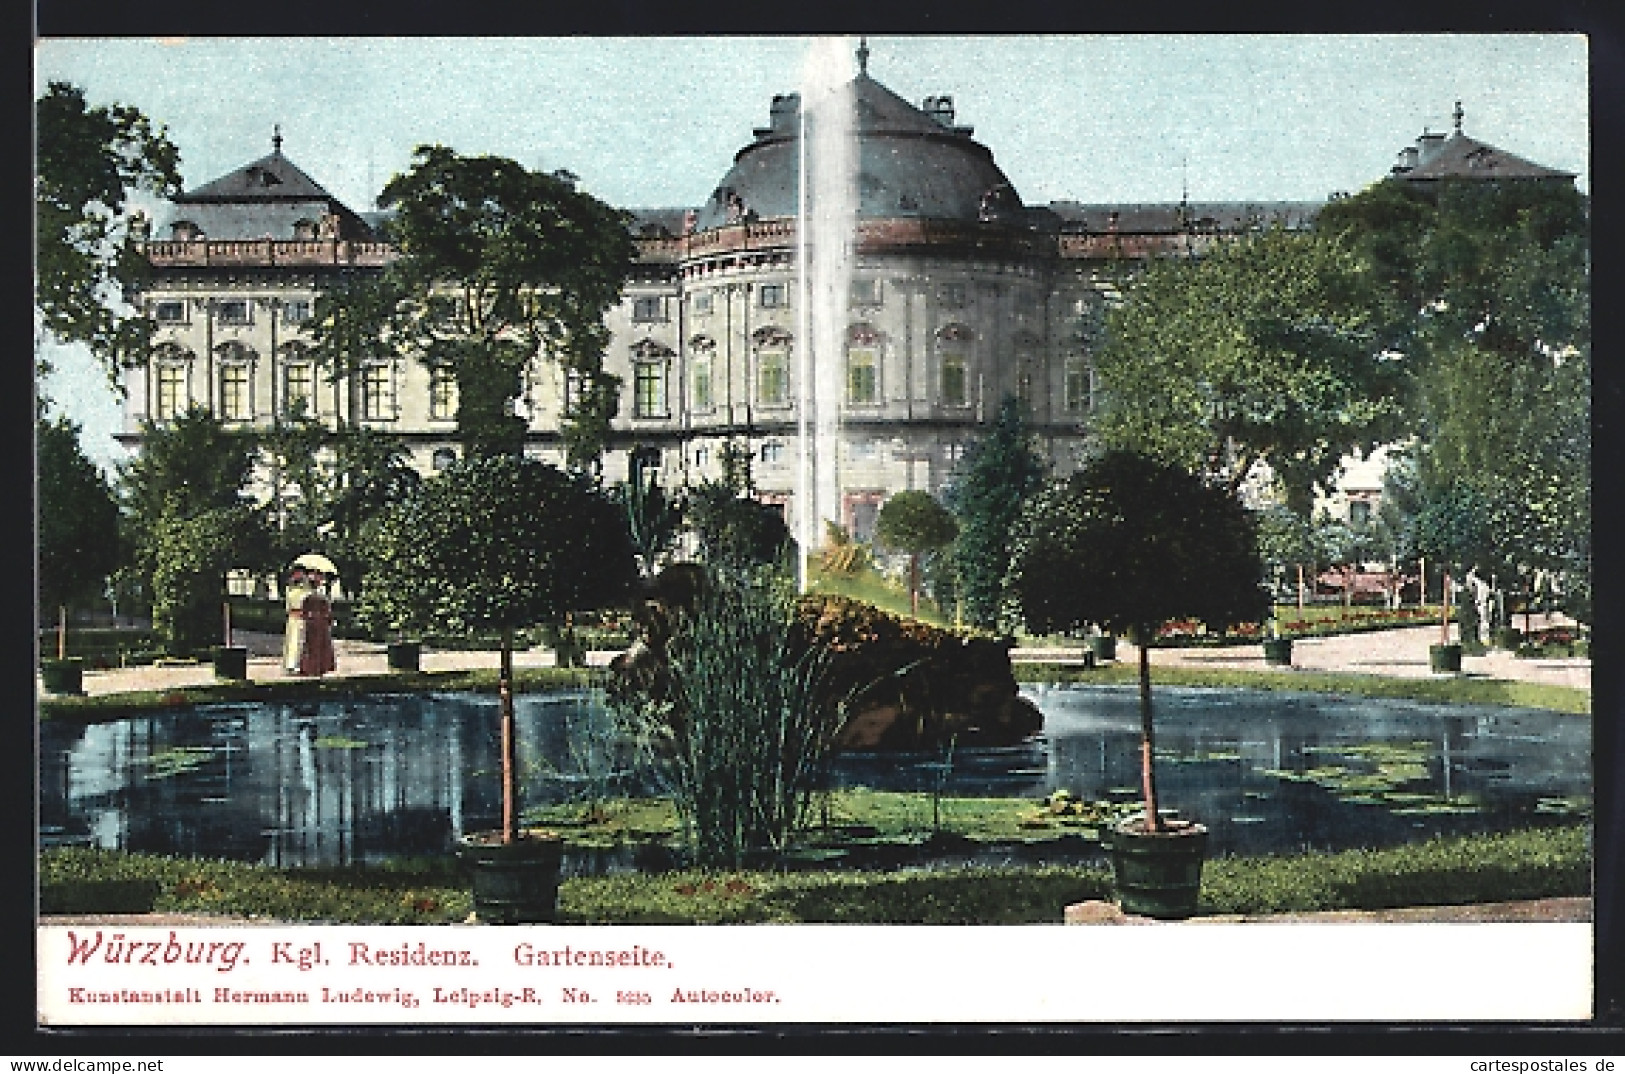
[(826, 223)]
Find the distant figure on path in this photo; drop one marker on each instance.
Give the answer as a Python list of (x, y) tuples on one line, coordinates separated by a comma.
[(293, 638), (316, 653)]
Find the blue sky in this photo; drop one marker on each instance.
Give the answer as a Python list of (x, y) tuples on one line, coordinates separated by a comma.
[(651, 122)]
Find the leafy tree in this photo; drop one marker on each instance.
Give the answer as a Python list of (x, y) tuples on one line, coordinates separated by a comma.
[(1286, 543), (1129, 543), (499, 266), (1263, 350), (914, 522), (999, 472), (498, 541), (190, 521), (737, 533), (87, 161), (78, 536), (1486, 292), (186, 466), (1455, 527), (326, 486)]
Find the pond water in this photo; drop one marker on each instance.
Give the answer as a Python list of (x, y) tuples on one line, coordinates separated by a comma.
[(365, 779)]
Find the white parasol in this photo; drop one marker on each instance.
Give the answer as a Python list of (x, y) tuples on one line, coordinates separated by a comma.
[(316, 562)]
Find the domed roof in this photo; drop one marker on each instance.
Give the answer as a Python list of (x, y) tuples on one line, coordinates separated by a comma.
[(913, 163)]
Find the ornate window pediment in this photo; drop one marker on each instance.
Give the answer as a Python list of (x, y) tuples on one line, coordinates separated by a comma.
[(956, 333), (770, 336), (648, 350)]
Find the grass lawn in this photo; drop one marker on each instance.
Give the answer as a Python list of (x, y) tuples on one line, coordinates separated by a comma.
[(1535, 863), (1451, 689)]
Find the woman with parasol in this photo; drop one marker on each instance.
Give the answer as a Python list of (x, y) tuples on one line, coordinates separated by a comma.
[(316, 618)]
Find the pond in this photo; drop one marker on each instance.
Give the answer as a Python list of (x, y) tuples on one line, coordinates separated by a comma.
[(363, 780)]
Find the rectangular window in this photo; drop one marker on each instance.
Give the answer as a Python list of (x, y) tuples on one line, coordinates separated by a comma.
[(647, 309), (951, 296), (865, 292), (232, 311), (772, 296), (442, 395), (702, 302), (1077, 389), (169, 312), (862, 451), (772, 452), (234, 392), (299, 388), (296, 311), (649, 390), (1359, 513), (772, 378), (378, 392), (171, 392), (700, 384), (862, 376), (954, 390)]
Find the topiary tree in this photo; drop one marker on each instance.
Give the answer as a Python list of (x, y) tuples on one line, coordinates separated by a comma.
[(499, 541), (914, 522), (1129, 543)]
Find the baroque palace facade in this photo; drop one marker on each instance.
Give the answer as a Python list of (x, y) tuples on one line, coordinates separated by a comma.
[(960, 296)]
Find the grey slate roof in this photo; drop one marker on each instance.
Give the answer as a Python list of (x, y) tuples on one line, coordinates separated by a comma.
[(910, 164), (263, 199), (1461, 157)]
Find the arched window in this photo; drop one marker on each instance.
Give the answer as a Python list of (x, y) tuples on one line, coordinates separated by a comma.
[(954, 343), (772, 366), (862, 365), (443, 458)]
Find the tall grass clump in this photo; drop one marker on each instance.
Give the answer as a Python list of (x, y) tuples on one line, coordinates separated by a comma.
[(739, 724)]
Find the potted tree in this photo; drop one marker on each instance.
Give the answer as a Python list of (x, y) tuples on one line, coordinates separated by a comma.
[(499, 542), (914, 522), (1130, 543), (1451, 528)]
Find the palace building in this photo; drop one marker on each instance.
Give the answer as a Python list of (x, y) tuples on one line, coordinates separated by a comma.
[(960, 295)]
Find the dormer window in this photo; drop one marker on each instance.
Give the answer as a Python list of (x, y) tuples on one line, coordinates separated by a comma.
[(304, 230), (185, 231)]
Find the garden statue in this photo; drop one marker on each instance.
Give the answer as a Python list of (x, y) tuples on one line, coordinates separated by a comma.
[(293, 638), (316, 650)]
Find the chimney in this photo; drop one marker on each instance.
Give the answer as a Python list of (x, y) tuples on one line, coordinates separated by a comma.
[(782, 112), (1428, 146), (940, 109)]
